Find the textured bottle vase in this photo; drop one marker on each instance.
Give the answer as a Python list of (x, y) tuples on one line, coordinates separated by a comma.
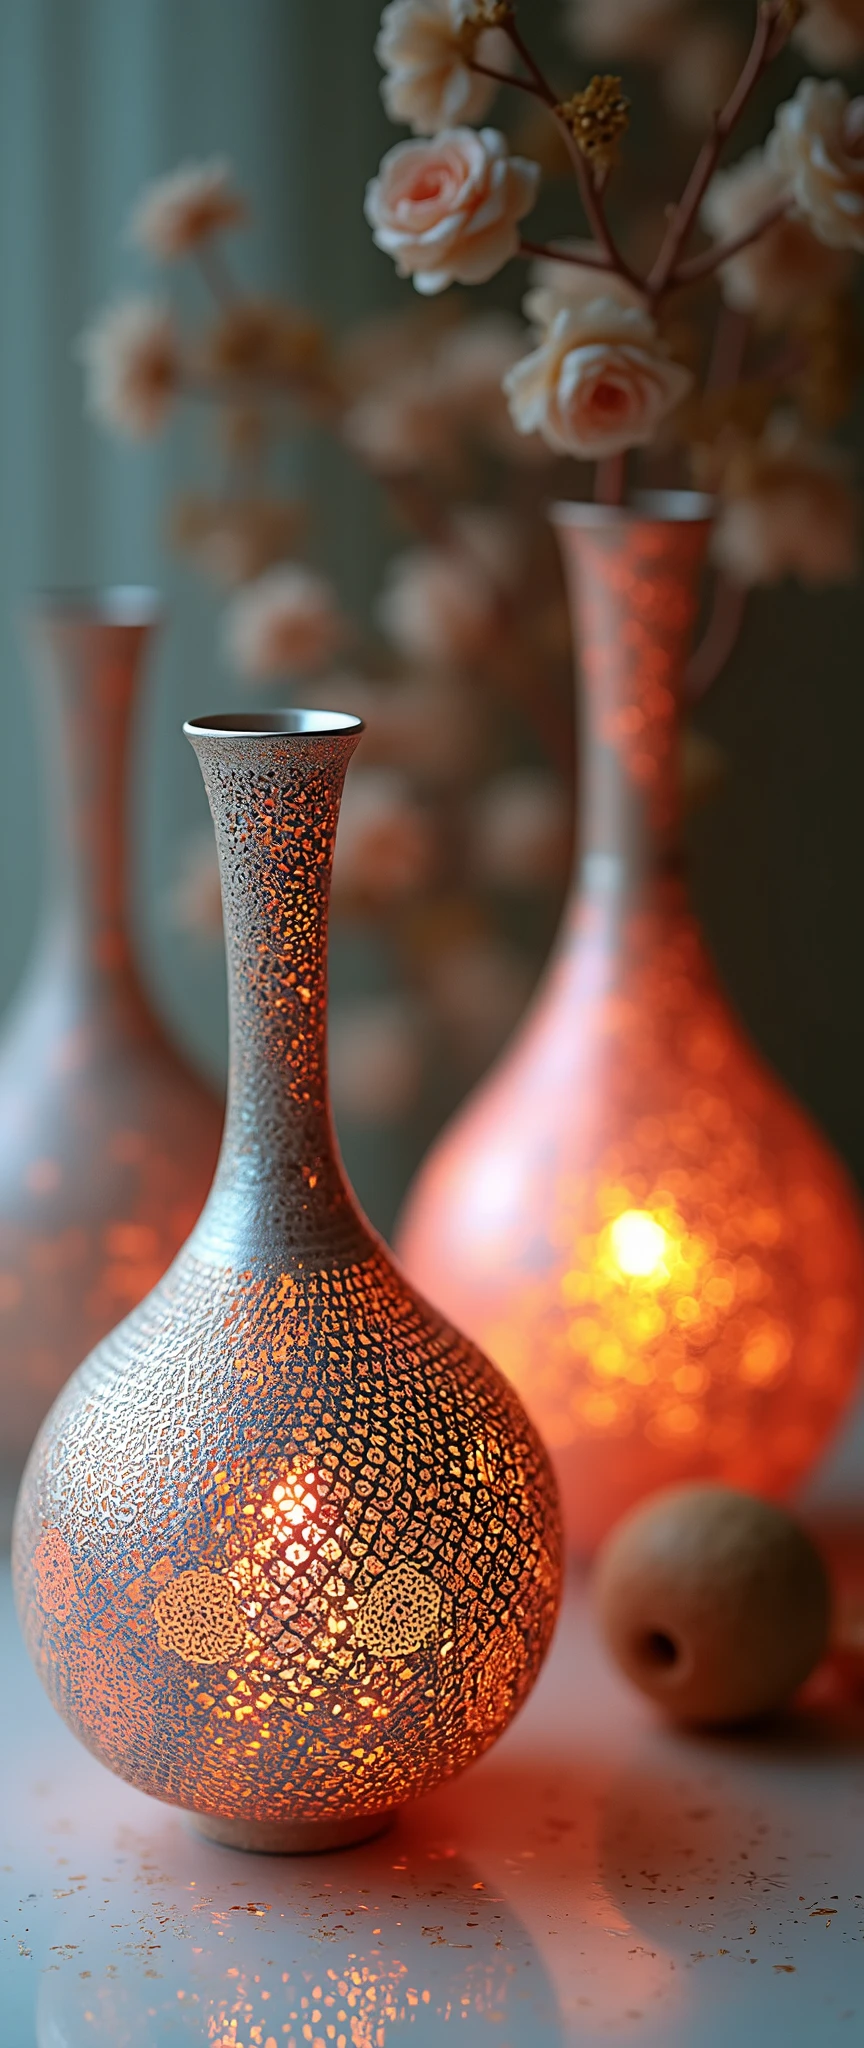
[(631, 1215), (287, 1548), (107, 1139)]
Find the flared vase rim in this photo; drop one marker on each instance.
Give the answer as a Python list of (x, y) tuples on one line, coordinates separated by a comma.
[(108, 604), (660, 508), (292, 722)]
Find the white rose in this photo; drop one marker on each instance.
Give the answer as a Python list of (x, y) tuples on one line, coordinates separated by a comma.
[(286, 621), (621, 28), (788, 509), (817, 145), (831, 33), (133, 361), (188, 207), (422, 48), (558, 284), (786, 264), (447, 210), (600, 382), (437, 605)]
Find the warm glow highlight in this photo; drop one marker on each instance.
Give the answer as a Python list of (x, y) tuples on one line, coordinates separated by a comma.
[(638, 1243), (288, 1552), (632, 1217)]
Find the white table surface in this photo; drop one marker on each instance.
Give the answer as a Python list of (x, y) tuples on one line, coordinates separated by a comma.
[(597, 1878)]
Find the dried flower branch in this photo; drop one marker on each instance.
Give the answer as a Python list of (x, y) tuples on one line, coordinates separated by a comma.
[(471, 613), (770, 33), (134, 362), (182, 212), (597, 118)]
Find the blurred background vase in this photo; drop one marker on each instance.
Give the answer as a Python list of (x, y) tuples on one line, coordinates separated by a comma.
[(107, 1139), (631, 1215), (284, 1467)]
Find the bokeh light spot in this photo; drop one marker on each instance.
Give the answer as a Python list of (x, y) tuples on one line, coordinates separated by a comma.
[(638, 1243)]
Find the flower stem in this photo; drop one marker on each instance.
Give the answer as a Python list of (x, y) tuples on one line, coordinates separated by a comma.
[(216, 275), (719, 638), (610, 481), (728, 349), (709, 260), (537, 84), (507, 78), (588, 259), (768, 39)]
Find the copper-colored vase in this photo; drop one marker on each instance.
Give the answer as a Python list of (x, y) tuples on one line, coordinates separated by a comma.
[(631, 1215), (107, 1139), (287, 1548)]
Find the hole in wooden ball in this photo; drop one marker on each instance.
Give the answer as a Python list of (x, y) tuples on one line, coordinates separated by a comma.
[(658, 1649)]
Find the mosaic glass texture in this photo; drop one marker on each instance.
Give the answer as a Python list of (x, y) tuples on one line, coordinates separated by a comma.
[(107, 1139), (287, 1550), (631, 1215)]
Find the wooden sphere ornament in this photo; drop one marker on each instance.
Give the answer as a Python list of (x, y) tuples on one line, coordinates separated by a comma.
[(716, 1604)]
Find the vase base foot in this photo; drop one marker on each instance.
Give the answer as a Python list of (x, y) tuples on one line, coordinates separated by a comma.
[(290, 1838)]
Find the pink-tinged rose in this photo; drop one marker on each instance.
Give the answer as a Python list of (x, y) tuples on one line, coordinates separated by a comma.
[(386, 849), (831, 33), (566, 285), (186, 208), (470, 366), (285, 622), (521, 830), (375, 1058), (402, 425), (622, 28), (700, 68), (432, 726), (787, 263), (447, 210), (817, 146), (478, 989), (133, 364), (424, 47), (600, 382), (788, 509), (438, 605), (193, 901)]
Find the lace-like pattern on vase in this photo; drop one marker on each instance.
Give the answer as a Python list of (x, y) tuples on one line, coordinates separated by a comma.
[(288, 1549), (325, 1570)]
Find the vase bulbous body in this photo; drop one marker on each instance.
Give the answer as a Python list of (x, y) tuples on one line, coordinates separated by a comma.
[(107, 1139), (287, 1549), (631, 1215)]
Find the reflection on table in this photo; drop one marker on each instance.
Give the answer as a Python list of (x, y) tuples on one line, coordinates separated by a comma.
[(597, 1877)]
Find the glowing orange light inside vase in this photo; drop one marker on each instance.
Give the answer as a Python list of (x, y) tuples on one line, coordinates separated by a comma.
[(287, 1551), (638, 1243), (632, 1216)]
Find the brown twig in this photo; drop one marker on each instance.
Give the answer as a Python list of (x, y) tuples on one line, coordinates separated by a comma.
[(589, 259), (507, 78), (539, 82), (421, 508), (216, 274), (768, 39), (611, 479), (719, 638), (729, 348), (708, 260), (595, 212), (538, 85)]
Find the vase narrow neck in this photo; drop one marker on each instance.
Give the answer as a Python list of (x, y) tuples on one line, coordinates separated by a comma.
[(634, 589), (88, 668), (279, 1187)]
